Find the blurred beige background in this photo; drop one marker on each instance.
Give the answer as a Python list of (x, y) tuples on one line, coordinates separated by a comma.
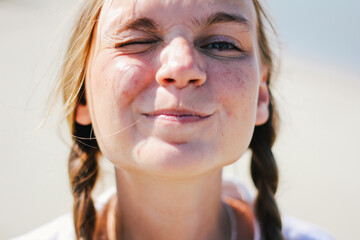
[(318, 93)]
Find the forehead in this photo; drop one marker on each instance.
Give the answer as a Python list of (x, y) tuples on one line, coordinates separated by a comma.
[(172, 12)]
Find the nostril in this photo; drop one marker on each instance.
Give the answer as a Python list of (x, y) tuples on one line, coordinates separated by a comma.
[(193, 81), (169, 80)]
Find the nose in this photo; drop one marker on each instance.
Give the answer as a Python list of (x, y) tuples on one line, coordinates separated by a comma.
[(180, 65)]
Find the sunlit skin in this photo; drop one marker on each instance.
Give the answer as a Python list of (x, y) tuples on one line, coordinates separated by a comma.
[(174, 91)]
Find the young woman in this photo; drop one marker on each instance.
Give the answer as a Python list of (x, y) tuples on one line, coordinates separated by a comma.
[(170, 92)]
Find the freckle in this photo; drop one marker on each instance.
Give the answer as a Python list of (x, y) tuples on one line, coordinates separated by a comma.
[(125, 92)]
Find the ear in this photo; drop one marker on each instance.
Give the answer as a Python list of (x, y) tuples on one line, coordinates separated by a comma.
[(82, 115), (262, 114)]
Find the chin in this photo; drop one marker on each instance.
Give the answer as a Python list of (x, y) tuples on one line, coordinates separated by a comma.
[(174, 159)]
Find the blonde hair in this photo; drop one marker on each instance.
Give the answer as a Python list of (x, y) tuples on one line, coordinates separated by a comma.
[(73, 70), (83, 159)]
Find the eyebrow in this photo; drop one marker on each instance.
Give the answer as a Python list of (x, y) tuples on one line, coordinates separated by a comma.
[(222, 17), (141, 24), (148, 24)]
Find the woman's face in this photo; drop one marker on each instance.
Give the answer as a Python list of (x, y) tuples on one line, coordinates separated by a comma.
[(175, 87)]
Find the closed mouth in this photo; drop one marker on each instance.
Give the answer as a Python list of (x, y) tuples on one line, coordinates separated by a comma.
[(177, 115)]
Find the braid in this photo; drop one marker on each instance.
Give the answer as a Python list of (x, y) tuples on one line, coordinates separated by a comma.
[(264, 170), (83, 172), (264, 173), (83, 159)]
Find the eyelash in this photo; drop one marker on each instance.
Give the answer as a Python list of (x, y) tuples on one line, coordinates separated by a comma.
[(230, 46), (212, 47), (136, 42)]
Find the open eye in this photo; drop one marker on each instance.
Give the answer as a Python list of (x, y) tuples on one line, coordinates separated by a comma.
[(222, 48)]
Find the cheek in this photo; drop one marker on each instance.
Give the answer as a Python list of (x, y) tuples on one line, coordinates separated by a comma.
[(112, 86), (116, 82), (236, 86), (129, 80)]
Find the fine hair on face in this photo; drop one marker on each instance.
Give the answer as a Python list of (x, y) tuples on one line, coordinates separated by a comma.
[(83, 159)]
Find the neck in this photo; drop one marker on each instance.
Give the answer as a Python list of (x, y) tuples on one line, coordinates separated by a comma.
[(156, 207)]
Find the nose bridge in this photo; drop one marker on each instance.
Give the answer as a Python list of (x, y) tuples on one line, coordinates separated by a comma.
[(179, 53), (180, 64)]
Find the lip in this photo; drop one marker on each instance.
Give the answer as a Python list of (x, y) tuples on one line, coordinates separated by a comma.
[(176, 115)]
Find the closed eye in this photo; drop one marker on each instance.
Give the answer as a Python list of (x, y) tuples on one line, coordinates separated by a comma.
[(136, 46), (135, 42)]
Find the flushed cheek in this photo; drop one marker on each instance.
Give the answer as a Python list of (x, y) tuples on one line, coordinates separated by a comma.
[(113, 87), (236, 88), (129, 81)]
